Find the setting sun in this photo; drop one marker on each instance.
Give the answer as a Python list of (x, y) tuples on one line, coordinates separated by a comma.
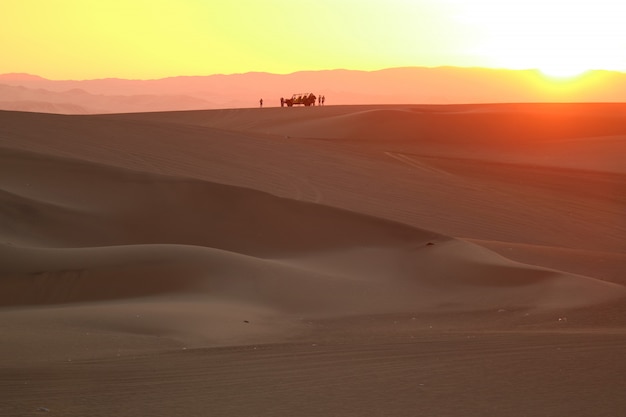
[(559, 38), (562, 71)]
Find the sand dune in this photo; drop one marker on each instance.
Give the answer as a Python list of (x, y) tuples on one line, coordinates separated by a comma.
[(117, 208), (380, 229)]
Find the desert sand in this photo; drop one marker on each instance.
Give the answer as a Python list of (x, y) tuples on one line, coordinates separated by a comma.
[(454, 260)]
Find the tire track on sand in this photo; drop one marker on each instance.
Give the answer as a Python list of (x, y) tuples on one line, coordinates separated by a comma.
[(413, 162)]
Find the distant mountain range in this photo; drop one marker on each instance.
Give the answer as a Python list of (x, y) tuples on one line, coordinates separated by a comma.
[(442, 85)]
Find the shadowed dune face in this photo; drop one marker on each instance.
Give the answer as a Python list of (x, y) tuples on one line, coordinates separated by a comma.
[(62, 203), (129, 211), (248, 246)]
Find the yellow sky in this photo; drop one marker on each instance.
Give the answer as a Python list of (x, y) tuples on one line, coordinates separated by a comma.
[(82, 39)]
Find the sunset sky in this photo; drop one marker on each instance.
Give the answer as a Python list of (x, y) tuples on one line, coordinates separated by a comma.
[(145, 39)]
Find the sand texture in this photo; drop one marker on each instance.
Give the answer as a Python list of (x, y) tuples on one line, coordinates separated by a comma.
[(462, 260)]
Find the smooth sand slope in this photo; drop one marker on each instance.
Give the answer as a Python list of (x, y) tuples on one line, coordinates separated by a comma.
[(348, 261)]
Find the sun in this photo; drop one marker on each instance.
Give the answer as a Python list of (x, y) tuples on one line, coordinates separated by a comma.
[(563, 71), (560, 38), (558, 59)]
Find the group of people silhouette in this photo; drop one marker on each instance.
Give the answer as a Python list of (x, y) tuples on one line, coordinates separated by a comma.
[(320, 101)]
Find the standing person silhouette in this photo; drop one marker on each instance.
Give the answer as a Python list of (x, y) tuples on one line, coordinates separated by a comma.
[(319, 100), (261, 102)]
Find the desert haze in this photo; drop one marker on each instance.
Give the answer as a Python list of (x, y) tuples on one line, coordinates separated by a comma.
[(358, 260), (441, 85)]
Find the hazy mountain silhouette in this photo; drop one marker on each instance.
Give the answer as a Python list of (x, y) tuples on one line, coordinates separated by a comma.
[(443, 85)]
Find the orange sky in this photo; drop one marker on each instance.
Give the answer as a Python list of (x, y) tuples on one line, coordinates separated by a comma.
[(83, 39)]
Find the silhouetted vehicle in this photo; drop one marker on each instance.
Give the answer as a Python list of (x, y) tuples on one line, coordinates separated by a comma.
[(308, 99)]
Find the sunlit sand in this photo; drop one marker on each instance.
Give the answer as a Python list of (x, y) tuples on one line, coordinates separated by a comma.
[(463, 260)]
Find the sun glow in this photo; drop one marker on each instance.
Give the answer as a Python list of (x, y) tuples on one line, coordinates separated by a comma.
[(563, 72), (560, 38), (563, 63), (159, 38)]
